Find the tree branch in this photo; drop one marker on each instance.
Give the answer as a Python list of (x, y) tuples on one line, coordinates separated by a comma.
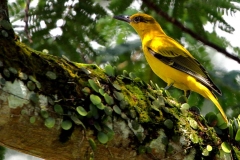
[(56, 109), (26, 29), (136, 120), (5, 25), (189, 31)]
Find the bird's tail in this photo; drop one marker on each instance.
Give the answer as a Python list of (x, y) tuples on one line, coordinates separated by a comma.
[(211, 96)]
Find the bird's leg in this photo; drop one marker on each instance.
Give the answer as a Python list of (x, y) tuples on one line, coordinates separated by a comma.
[(168, 86), (187, 93)]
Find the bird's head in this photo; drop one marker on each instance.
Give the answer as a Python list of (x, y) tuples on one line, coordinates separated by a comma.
[(141, 22)]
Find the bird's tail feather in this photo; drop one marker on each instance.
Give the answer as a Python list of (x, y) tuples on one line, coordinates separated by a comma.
[(211, 96)]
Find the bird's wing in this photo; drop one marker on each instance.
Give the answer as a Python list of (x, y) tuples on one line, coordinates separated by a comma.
[(175, 55)]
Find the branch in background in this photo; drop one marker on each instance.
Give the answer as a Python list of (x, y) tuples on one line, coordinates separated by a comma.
[(6, 29), (189, 31), (26, 21)]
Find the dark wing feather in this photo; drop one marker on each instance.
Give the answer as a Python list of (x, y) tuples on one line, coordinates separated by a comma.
[(187, 65)]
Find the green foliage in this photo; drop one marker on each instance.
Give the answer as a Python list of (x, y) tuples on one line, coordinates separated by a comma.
[(81, 23), (117, 7), (77, 27), (2, 152)]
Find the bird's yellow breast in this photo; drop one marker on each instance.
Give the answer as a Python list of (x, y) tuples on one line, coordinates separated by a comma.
[(171, 75)]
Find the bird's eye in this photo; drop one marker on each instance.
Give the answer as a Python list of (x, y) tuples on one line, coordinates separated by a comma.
[(137, 19)]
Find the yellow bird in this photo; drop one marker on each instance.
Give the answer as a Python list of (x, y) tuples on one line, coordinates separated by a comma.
[(170, 60)]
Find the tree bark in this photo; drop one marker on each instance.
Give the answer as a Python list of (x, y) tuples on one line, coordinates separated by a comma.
[(53, 108), (145, 123)]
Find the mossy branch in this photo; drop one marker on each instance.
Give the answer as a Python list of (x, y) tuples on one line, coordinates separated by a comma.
[(53, 108), (56, 109)]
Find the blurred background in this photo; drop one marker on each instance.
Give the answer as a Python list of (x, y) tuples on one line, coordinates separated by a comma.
[(85, 32)]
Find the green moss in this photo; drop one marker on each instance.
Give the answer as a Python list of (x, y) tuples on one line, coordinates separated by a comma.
[(138, 98), (93, 69), (212, 134)]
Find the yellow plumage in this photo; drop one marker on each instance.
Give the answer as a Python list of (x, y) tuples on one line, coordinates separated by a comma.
[(170, 60)]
